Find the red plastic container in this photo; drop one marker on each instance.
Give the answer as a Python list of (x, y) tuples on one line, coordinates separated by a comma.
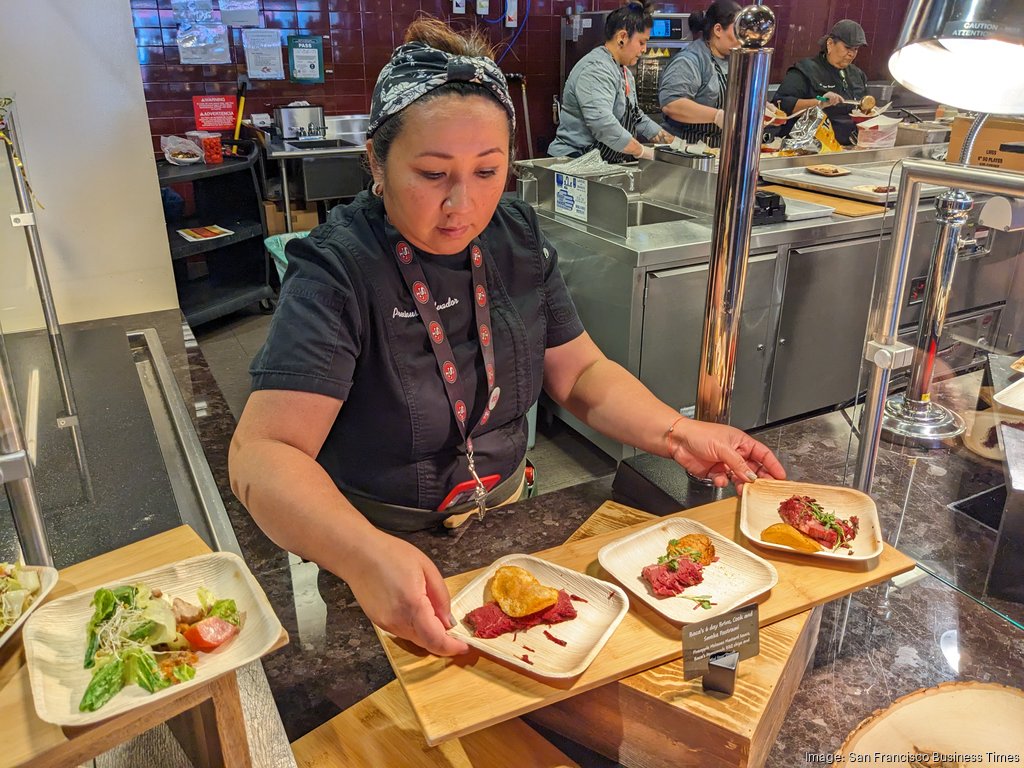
[(213, 151)]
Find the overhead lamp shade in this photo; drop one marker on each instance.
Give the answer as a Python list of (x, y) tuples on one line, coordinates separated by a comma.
[(965, 53)]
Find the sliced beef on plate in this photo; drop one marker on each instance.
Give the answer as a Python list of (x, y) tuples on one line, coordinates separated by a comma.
[(489, 620), (668, 583)]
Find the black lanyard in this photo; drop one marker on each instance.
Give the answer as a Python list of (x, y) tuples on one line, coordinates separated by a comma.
[(416, 281)]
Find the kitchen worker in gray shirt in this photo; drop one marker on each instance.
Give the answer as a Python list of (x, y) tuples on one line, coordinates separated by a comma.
[(599, 106), (691, 89)]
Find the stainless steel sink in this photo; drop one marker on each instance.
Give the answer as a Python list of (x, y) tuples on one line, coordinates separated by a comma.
[(641, 212), (319, 144)]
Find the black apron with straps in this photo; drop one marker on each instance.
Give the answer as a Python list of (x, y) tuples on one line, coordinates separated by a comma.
[(629, 121), (709, 133)]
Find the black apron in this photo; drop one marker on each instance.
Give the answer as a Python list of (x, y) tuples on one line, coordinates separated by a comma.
[(629, 121), (709, 133)]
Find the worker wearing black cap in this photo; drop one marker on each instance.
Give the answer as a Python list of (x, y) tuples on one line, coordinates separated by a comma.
[(828, 80)]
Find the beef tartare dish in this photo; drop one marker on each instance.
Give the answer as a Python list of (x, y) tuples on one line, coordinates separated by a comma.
[(810, 518), (519, 602), (489, 620), (681, 566)]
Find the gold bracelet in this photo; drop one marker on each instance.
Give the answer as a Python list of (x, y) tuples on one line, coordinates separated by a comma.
[(672, 428)]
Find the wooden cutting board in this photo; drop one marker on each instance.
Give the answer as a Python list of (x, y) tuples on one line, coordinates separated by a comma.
[(843, 206), (453, 697)]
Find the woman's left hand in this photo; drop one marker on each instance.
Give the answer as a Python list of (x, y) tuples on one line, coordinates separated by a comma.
[(722, 453), (663, 137)]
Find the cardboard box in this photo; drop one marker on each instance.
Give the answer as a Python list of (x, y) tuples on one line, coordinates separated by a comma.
[(302, 218), (987, 153)]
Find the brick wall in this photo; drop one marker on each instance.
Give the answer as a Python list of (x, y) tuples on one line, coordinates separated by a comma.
[(362, 34)]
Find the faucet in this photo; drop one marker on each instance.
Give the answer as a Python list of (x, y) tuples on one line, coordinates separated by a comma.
[(313, 128)]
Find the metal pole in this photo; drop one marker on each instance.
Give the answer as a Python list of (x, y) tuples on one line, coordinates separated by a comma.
[(883, 351), (746, 96), (16, 476), (26, 220), (913, 417)]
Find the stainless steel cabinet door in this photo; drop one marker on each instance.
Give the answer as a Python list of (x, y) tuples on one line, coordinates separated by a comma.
[(821, 330), (672, 327)]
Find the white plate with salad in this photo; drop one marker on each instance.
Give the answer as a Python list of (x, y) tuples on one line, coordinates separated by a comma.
[(22, 590), (103, 651)]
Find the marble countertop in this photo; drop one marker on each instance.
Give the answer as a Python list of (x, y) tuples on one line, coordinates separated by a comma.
[(882, 643)]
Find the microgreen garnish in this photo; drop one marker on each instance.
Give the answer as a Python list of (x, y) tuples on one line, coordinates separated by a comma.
[(702, 601)]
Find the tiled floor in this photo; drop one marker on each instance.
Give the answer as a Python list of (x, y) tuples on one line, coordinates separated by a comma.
[(561, 456)]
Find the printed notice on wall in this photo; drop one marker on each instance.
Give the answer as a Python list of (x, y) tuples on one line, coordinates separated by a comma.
[(240, 13), (733, 631), (306, 58), (571, 196), (263, 57)]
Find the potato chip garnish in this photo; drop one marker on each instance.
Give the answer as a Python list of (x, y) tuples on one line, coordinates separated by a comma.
[(788, 536), (518, 593)]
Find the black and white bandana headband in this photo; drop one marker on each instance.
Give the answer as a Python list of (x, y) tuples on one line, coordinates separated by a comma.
[(416, 69)]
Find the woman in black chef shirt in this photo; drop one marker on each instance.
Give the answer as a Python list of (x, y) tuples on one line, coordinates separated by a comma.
[(432, 309), (828, 79)]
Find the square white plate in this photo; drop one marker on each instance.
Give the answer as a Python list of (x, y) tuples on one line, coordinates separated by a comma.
[(736, 578), (55, 638), (760, 508), (1012, 397), (584, 636), (47, 581)]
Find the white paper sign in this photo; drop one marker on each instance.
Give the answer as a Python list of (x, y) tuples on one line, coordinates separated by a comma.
[(571, 196), (263, 54), (240, 13)]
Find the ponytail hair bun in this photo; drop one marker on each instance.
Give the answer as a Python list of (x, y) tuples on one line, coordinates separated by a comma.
[(719, 12)]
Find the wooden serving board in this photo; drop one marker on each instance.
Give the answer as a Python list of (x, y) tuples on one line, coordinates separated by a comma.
[(843, 206), (658, 718), (381, 730), (453, 697)]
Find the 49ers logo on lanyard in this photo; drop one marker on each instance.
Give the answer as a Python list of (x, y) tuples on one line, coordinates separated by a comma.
[(436, 331), (416, 282), (404, 252)]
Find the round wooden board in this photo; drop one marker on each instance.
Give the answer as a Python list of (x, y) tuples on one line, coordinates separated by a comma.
[(956, 720)]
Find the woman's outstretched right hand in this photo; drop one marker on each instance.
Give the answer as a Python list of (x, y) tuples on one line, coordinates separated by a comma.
[(400, 590)]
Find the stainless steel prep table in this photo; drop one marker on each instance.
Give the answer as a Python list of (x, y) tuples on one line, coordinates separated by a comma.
[(641, 296), (283, 151)]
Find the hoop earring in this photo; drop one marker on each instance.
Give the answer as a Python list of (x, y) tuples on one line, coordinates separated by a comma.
[(377, 189)]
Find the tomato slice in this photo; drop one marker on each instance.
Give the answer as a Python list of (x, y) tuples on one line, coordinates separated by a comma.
[(210, 633)]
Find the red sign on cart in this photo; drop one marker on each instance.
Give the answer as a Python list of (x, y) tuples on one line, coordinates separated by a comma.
[(214, 113)]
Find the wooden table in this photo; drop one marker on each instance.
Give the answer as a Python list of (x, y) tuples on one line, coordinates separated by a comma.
[(454, 697), (206, 719)]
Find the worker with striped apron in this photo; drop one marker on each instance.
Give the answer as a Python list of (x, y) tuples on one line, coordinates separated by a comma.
[(599, 105), (692, 86)]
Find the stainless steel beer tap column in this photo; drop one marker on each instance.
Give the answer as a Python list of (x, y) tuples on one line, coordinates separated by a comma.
[(913, 417), (745, 101)]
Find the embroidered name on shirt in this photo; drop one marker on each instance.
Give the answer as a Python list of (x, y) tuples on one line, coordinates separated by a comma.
[(451, 302)]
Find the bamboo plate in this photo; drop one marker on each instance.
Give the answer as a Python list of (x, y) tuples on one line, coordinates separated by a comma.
[(760, 508), (1011, 397), (55, 637), (952, 724), (736, 578), (597, 615), (47, 581)]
